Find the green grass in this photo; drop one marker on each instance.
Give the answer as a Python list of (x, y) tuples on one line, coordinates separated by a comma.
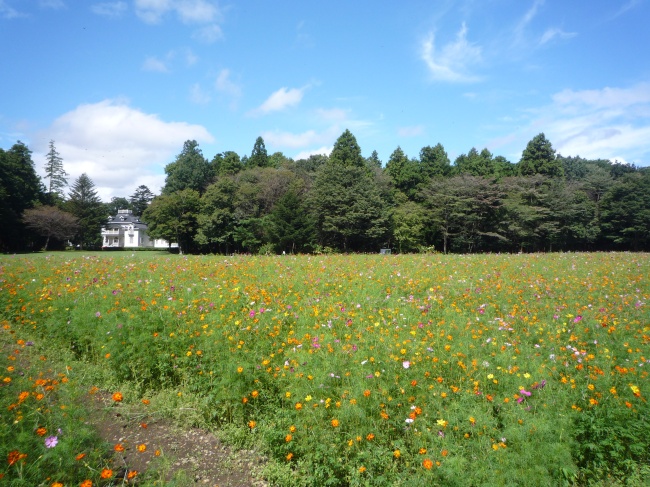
[(364, 369)]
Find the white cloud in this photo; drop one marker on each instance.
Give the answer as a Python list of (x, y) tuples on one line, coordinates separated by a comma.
[(453, 62), (198, 96), (119, 147), (188, 11), (326, 151), (8, 12), (208, 34), (109, 9), (224, 84), (155, 64), (526, 19), (332, 114), (608, 123), (412, 131), (279, 100), (555, 32), (53, 4)]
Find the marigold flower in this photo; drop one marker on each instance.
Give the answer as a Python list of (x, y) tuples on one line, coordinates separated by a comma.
[(370, 437), (142, 447), (118, 447), (80, 456), (288, 438), (427, 463), (366, 393), (422, 451), (397, 453), (117, 397), (289, 456), (107, 473), (146, 402), (57, 484), (298, 406), (292, 428), (86, 483), (41, 431), (15, 456), (131, 474), (335, 423), (252, 424), (254, 394), (362, 469)]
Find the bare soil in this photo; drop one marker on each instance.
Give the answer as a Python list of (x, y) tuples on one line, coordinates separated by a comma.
[(194, 456)]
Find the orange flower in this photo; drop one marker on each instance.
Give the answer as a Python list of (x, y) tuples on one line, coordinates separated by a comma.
[(15, 456), (57, 484), (288, 438), (422, 451), (335, 423), (362, 469), (131, 474), (370, 437), (146, 403), (117, 397), (366, 393), (254, 394), (107, 473), (41, 431), (298, 406), (157, 453), (292, 428), (86, 483), (397, 453), (143, 425), (444, 453), (414, 383), (252, 424), (427, 463), (289, 457), (118, 447), (244, 400), (142, 447)]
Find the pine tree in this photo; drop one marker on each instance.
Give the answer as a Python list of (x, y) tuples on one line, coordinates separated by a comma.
[(140, 199), (84, 203), (54, 172)]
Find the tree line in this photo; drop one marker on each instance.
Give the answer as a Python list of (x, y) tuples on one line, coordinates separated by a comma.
[(349, 203)]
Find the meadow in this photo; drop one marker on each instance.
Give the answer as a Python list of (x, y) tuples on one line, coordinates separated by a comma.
[(386, 370)]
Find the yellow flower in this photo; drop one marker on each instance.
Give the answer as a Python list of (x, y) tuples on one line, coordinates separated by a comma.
[(142, 447), (397, 453), (335, 423), (240, 370)]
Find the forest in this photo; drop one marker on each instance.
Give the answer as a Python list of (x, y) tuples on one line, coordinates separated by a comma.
[(345, 202)]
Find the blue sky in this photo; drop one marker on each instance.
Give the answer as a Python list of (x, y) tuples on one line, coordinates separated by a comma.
[(120, 85)]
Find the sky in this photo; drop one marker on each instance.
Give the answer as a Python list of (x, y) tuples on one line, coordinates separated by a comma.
[(119, 86)]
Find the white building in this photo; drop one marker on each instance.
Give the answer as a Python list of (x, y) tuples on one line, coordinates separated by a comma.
[(125, 230)]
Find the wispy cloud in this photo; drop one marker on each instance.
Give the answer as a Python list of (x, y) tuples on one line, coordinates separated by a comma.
[(109, 9), (326, 151), (626, 7), (224, 84), (280, 100), (118, 145), (555, 33), (8, 12), (412, 131), (453, 61), (52, 4), (154, 64), (191, 12), (521, 26), (609, 123), (198, 96)]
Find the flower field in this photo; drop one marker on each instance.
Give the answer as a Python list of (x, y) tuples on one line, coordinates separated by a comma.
[(352, 370)]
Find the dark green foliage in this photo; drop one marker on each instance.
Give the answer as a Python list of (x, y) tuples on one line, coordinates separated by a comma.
[(20, 188), (626, 212), (173, 217), (434, 162), (346, 151), (140, 199), (259, 157), (539, 158), (54, 172), (225, 164), (84, 203), (290, 223), (349, 211), (404, 172), (118, 203), (190, 170)]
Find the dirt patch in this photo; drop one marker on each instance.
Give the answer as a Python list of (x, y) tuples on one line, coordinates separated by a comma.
[(146, 443)]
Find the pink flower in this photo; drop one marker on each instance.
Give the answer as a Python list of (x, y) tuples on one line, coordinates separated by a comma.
[(406, 364), (51, 441)]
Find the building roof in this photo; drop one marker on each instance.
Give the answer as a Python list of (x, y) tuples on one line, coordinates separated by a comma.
[(125, 217)]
